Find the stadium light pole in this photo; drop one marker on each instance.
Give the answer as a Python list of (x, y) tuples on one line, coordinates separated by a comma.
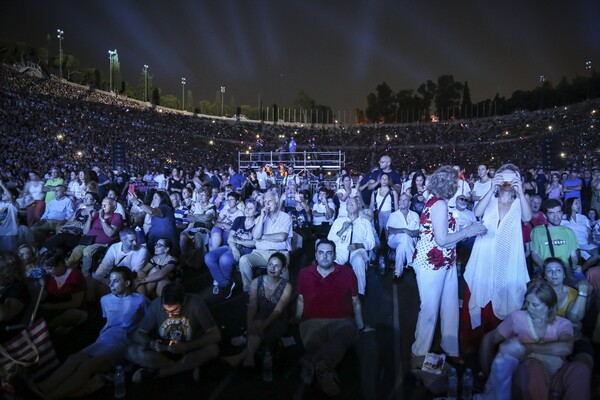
[(145, 82), (588, 66), (60, 36), (111, 59), (222, 93), (542, 80), (183, 94)]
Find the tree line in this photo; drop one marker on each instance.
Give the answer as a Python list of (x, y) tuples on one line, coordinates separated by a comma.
[(442, 99)]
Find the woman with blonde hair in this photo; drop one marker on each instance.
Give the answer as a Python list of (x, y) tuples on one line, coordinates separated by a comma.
[(434, 263)]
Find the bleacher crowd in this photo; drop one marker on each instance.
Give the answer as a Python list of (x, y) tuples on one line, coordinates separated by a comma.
[(126, 234)]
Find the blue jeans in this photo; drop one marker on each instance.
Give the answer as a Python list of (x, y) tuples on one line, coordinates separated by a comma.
[(220, 263)]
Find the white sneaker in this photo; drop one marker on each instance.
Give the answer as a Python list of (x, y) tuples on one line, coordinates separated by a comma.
[(238, 341)]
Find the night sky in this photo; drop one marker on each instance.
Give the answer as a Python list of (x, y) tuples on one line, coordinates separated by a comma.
[(336, 51)]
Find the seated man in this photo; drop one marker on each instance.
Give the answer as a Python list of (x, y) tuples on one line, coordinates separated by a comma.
[(272, 232), (69, 234), (554, 240), (101, 230), (353, 237), (58, 211), (177, 334), (330, 314), (126, 253), (402, 232)]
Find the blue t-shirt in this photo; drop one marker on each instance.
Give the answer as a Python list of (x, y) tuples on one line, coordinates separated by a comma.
[(163, 227), (572, 182)]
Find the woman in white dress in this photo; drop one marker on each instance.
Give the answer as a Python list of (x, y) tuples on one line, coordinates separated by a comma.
[(496, 273)]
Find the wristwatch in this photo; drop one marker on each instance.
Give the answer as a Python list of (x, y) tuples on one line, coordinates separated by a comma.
[(582, 293)]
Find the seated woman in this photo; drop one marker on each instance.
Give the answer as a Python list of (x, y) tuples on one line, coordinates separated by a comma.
[(160, 270), (220, 232), (162, 223), (14, 296), (539, 341), (571, 305), (269, 296), (63, 306), (221, 260), (200, 220), (29, 257), (123, 309)]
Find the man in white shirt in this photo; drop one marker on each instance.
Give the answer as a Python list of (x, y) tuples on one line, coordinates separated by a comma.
[(463, 187), (161, 180), (353, 238), (273, 233), (482, 186), (403, 231), (58, 211), (126, 253), (262, 178)]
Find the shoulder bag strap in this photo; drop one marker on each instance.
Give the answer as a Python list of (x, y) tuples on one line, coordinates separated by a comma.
[(549, 240)]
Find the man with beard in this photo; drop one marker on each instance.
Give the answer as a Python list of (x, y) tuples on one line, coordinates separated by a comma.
[(330, 313)]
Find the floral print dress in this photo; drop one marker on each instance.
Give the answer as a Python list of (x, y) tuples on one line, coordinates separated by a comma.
[(428, 255)]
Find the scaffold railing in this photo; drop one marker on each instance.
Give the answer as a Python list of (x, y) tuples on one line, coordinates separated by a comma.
[(309, 160)]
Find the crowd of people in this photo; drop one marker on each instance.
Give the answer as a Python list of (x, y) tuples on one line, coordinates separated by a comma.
[(119, 238)]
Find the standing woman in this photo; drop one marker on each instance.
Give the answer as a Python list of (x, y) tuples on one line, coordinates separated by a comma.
[(434, 262), (554, 189), (34, 195), (496, 274), (384, 201), (529, 185), (417, 192)]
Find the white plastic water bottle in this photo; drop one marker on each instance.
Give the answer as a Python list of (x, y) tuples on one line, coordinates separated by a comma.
[(467, 385), (452, 385), (119, 382), (267, 367)]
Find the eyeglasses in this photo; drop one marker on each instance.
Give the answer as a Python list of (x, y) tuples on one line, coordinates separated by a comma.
[(461, 199), (172, 310)]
